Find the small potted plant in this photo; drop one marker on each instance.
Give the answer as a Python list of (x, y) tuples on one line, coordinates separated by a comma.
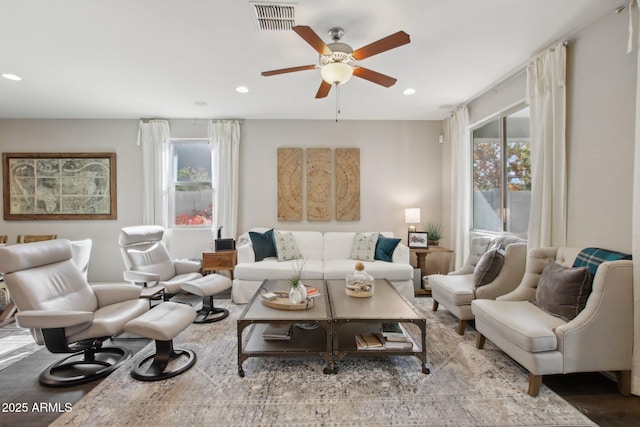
[(434, 233), (297, 293)]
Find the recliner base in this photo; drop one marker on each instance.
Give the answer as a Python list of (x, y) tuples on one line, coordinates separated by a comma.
[(164, 355), (70, 370)]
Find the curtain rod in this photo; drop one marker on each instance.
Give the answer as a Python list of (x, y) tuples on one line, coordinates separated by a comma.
[(192, 121)]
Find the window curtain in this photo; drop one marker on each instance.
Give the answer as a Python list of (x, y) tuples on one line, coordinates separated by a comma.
[(225, 152), (635, 370), (153, 137), (457, 130), (546, 94)]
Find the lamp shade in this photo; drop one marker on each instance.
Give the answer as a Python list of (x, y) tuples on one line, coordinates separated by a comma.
[(336, 73), (412, 215)]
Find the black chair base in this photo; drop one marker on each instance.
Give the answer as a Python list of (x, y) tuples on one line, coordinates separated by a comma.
[(208, 313), (164, 355), (77, 369)]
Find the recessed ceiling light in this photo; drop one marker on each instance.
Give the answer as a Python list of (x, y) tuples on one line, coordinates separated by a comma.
[(10, 76), (242, 89), (409, 91), (201, 103)]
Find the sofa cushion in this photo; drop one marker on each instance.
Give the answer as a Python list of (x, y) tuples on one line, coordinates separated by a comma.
[(364, 246), (520, 322), (453, 289), (488, 267), (563, 291), (385, 247), (286, 246), (263, 244), (339, 268)]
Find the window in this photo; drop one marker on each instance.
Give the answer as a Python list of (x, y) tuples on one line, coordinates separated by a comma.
[(502, 173), (191, 191)]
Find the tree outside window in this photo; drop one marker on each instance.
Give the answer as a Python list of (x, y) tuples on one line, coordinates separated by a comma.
[(502, 174)]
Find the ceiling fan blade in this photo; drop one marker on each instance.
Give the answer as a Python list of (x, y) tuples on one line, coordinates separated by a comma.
[(312, 38), (288, 70), (374, 76), (394, 40), (323, 90)]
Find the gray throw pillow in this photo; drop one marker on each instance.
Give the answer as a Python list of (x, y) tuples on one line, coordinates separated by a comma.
[(563, 291), (488, 267)]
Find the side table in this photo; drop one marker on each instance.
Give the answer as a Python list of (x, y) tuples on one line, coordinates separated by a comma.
[(222, 260), (421, 255)]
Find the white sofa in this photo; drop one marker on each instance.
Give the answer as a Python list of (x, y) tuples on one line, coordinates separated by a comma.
[(326, 257)]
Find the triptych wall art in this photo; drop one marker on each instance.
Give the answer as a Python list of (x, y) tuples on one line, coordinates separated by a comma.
[(330, 185)]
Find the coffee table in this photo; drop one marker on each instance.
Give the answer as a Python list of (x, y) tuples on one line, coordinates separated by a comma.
[(351, 316), (303, 342)]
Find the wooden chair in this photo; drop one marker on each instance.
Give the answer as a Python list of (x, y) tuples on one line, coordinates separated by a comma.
[(29, 238)]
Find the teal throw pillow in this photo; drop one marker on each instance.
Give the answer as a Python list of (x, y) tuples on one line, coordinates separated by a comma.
[(385, 247), (263, 244)]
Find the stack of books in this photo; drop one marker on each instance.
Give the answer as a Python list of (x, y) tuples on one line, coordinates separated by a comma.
[(396, 337), (369, 342), (312, 292), (277, 332)]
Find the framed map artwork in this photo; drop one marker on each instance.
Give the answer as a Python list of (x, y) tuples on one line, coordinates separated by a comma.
[(59, 186)]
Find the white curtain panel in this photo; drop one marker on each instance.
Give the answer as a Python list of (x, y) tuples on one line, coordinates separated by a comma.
[(457, 129), (225, 152), (546, 93), (635, 372), (153, 136)]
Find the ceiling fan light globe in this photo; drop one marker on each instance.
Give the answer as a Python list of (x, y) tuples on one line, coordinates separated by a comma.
[(336, 73)]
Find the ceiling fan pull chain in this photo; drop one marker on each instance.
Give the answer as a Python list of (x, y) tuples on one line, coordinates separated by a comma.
[(337, 101)]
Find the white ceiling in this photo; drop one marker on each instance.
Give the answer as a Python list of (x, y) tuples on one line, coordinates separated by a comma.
[(156, 58)]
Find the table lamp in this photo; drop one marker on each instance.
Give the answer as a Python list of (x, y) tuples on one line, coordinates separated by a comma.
[(411, 217)]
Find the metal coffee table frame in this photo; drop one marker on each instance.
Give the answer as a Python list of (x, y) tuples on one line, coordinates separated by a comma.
[(361, 315), (339, 316), (313, 342)]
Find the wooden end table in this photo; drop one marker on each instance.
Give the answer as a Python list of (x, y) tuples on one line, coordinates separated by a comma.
[(421, 256), (221, 260)]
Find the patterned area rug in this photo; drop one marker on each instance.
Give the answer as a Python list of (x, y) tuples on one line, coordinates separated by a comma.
[(15, 344), (466, 387)]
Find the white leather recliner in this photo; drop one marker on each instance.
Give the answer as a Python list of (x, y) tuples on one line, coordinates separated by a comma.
[(65, 312), (456, 290), (148, 262), (598, 339)]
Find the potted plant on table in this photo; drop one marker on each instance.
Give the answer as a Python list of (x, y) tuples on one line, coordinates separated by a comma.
[(297, 293), (434, 233)]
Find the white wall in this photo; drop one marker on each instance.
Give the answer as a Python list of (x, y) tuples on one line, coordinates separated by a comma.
[(63, 136), (600, 135), (400, 167), (399, 160)]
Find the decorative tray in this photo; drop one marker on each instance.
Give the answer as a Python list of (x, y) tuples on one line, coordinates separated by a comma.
[(282, 302)]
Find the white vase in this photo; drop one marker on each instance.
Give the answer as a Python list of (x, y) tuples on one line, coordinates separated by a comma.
[(294, 295), (303, 291)]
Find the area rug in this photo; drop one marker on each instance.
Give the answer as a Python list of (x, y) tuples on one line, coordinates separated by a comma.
[(466, 387)]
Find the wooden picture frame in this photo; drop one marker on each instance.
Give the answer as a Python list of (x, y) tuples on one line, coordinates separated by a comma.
[(59, 186), (418, 240)]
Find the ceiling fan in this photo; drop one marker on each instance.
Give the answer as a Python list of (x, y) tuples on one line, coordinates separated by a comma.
[(338, 60)]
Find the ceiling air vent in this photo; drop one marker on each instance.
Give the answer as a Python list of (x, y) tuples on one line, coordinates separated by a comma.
[(274, 16)]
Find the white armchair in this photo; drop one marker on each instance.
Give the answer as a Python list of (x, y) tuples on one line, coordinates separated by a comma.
[(599, 338), (149, 263), (456, 290), (65, 313)]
